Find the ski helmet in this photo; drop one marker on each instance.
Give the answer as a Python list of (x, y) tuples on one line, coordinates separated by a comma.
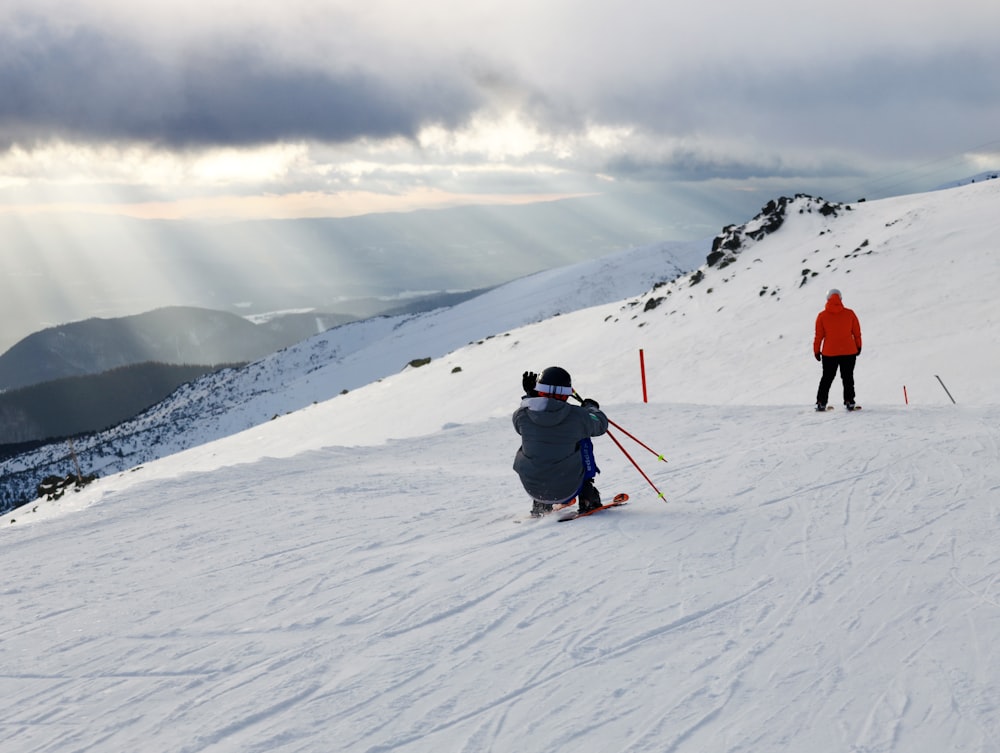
[(833, 292), (554, 381)]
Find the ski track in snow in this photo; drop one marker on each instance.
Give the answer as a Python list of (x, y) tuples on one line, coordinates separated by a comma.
[(412, 616)]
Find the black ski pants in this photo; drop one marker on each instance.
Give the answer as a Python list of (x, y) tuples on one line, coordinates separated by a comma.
[(830, 366)]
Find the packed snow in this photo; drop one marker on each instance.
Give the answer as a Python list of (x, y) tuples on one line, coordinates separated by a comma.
[(360, 574)]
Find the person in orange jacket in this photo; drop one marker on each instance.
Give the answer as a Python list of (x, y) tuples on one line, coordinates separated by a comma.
[(837, 345)]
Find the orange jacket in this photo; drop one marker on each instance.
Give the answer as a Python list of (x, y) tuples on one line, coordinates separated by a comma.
[(838, 332)]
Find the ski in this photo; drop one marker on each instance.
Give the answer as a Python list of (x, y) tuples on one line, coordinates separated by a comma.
[(568, 515)]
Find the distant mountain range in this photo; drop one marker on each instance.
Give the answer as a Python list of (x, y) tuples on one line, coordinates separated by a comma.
[(90, 375), (176, 335), (68, 407)]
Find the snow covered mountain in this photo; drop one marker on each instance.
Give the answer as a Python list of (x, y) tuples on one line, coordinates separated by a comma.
[(175, 335), (759, 287), (352, 575), (341, 359)]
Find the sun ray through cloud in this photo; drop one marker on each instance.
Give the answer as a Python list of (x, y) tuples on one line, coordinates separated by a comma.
[(175, 146)]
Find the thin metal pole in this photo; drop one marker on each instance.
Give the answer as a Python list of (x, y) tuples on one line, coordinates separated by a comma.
[(945, 388)]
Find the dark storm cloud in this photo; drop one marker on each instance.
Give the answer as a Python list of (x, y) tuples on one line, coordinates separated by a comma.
[(785, 122), (742, 100), (90, 86), (692, 165)]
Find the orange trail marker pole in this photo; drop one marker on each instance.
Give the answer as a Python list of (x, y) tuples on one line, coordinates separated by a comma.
[(642, 372)]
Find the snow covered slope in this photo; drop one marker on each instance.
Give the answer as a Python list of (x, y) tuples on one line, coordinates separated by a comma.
[(343, 359), (352, 576), (919, 270)]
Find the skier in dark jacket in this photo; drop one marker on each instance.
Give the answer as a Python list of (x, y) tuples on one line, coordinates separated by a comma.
[(556, 459)]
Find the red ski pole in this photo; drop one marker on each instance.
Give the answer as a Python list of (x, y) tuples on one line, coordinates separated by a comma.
[(638, 441), (634, 438), (625, 452)]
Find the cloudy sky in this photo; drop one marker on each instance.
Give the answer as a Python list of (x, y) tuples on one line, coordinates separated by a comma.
[(254, 108)]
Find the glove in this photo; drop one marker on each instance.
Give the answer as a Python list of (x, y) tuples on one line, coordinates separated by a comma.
[(528, 380), (588, 403), (819, 357), (859, 351)]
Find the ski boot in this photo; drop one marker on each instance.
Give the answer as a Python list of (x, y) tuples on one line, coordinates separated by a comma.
[(538, 509), (590, 498)]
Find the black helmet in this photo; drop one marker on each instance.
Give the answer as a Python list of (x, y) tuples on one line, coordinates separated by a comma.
[(554, 381)]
